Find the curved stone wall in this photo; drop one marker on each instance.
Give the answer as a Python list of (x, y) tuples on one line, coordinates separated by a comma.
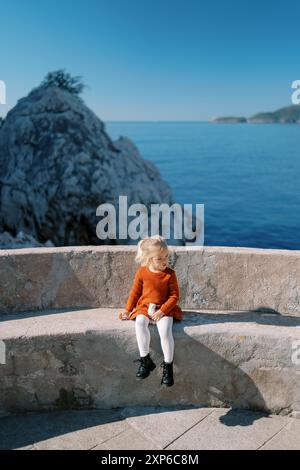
[(213, 278)]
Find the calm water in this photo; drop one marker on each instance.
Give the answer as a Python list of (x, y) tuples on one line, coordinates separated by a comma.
[(246, 175)]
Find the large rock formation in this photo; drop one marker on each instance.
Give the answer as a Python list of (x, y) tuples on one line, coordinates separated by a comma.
[(58, 164), (22, 240)]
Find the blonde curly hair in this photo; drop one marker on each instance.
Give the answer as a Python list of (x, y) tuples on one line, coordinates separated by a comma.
[(147, 246)]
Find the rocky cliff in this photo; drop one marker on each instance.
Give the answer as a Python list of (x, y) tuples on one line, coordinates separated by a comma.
[(58, 164)]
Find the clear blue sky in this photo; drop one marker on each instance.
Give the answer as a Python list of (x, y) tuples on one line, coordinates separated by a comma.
[(156, 59)]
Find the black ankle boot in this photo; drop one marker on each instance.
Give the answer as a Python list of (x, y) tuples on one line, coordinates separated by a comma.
[(146, 366), (167, 377)]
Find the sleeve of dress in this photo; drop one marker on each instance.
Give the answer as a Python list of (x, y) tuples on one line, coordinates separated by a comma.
[(136, 291), (173, 295)]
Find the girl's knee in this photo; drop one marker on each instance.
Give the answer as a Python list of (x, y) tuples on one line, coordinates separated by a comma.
[(141, 319), (165, 323)]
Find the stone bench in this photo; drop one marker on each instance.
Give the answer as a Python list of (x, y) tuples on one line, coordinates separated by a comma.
[(83, 358)]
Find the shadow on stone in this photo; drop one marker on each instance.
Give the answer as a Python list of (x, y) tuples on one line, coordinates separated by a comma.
[(22, 430), (210, 366), (236, 417), (263, 316)]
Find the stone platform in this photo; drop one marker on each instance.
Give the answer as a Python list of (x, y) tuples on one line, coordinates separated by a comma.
[(151, 429)]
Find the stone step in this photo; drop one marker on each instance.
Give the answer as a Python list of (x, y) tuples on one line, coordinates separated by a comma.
[(84, 359)]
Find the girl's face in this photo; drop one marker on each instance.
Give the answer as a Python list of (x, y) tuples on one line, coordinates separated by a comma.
[(159, 260)]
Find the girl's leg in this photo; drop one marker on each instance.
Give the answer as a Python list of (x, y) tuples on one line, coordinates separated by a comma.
[(142, 334), (164, 326)]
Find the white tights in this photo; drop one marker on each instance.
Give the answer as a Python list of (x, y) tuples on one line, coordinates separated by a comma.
[(164, 326)]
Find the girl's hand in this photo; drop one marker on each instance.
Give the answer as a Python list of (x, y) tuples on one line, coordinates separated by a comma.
[(124, 315), (157, 315)]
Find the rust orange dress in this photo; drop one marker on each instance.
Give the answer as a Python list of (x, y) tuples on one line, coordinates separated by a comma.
[(160, 288)]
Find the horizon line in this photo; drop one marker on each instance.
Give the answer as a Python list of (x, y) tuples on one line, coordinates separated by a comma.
[(155, 120)]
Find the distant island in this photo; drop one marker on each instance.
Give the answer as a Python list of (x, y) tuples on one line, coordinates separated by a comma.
[(287, 115), (230, 119)]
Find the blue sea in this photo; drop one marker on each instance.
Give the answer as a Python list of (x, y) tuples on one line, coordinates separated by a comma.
[(246, 175)]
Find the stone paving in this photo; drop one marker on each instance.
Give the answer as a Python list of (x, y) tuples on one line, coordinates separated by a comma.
[(150, 428)]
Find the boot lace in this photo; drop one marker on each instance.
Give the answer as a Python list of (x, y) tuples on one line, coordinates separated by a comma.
[(164, 365)]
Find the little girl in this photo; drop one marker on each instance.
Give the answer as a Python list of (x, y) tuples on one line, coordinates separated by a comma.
[(154, 283)]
